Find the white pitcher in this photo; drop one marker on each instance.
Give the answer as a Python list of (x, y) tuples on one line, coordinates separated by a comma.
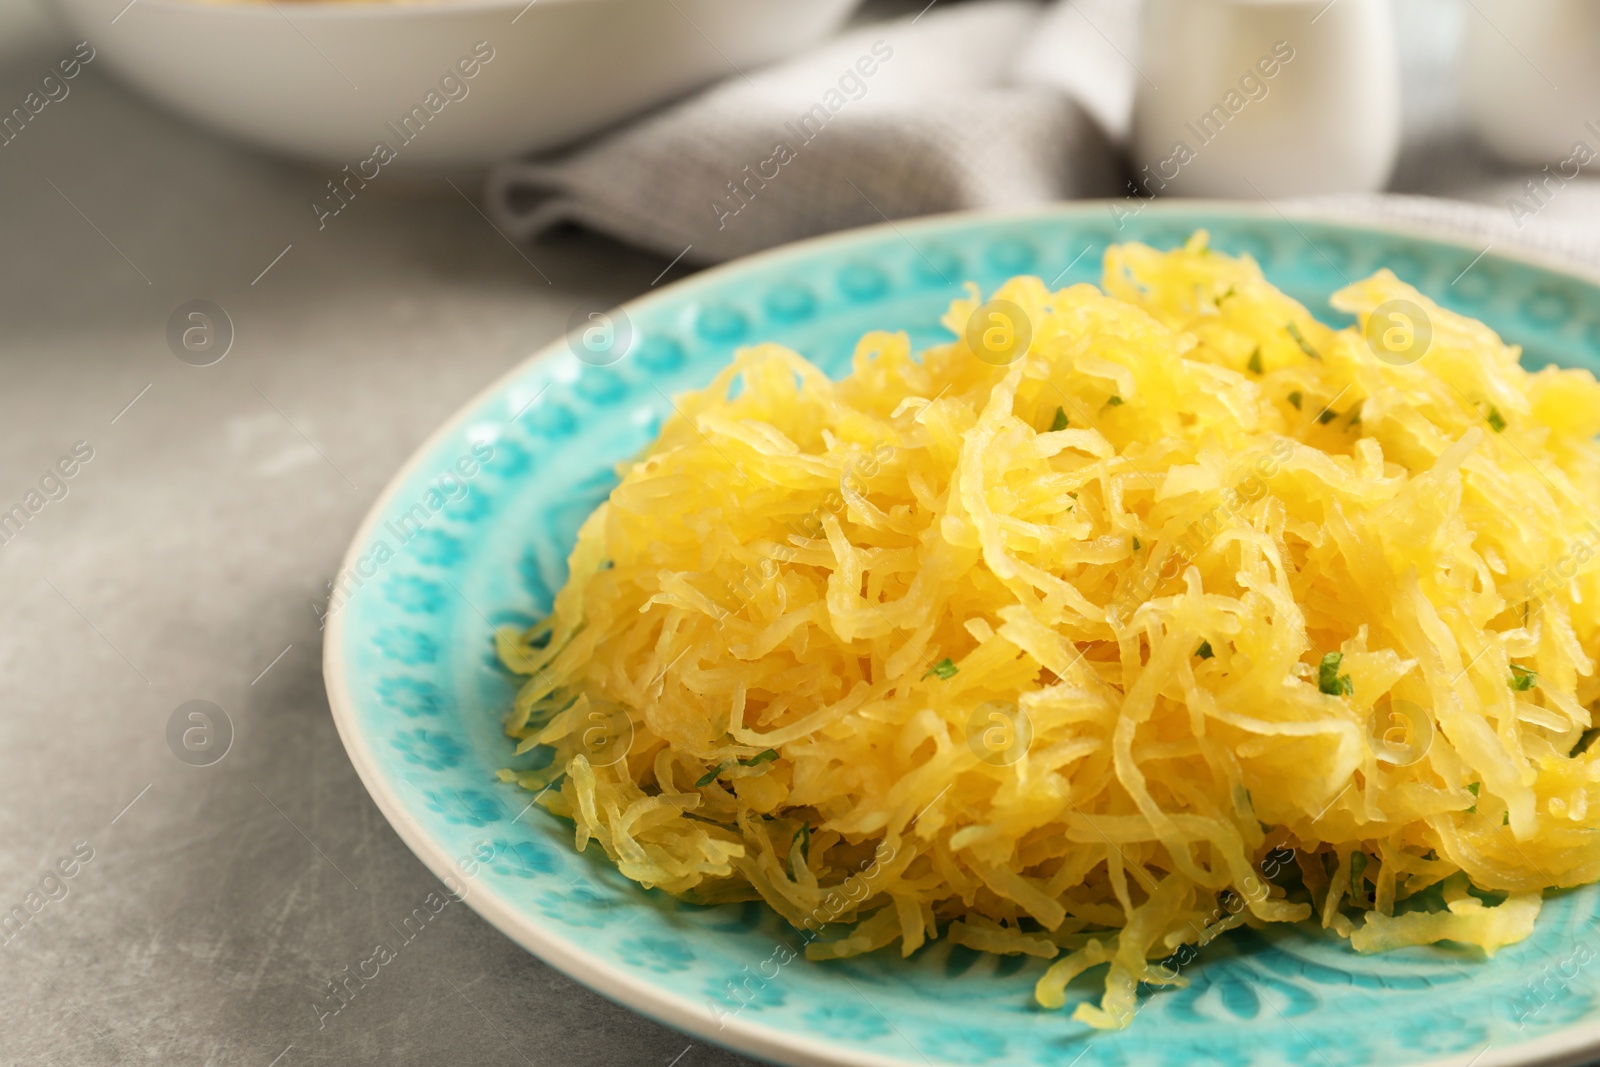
[(1530, 78), (1266, 98)]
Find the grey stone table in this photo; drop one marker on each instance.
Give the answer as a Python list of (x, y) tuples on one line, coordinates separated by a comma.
[(208, 907)]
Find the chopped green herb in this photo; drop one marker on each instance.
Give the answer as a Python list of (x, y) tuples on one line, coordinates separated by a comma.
[(945, 669), (1358, 881), (1327, 416), (1204, 651), (1115, 401), (1522, 679), (1497, 422), (1299, 339), (1473, 787), (1585, 741), (1255, 361), (1136, 545), (1328, 672), (1225, 296), (1060, 421), (1330, 681), (1355, 417), (1505, 819), (759, 758), (1295, 398), (803, 835)]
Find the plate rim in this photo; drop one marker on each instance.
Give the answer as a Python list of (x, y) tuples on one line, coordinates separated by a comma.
[(1570, 1045)]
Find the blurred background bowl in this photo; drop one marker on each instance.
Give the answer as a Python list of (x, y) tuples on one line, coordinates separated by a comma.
[(1326, 119), (323, 81), (1530, 78)]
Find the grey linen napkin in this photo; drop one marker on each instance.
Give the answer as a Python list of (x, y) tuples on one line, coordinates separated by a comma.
[(902, 118), (993, 103)]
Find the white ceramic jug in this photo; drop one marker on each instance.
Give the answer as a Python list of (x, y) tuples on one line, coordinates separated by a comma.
[(1530, 77), (1266, 98)]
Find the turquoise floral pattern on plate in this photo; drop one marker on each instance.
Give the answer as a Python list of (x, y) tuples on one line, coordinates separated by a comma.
[(419, 697)]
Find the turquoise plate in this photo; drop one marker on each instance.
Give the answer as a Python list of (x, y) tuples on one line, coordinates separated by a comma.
[(475, 531)]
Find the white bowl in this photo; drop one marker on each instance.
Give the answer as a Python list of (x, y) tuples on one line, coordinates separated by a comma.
[(1530, 79), (329, 81), (1255, 102)]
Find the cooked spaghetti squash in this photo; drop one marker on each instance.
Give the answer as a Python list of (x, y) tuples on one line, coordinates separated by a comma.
[(1132, 615)]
